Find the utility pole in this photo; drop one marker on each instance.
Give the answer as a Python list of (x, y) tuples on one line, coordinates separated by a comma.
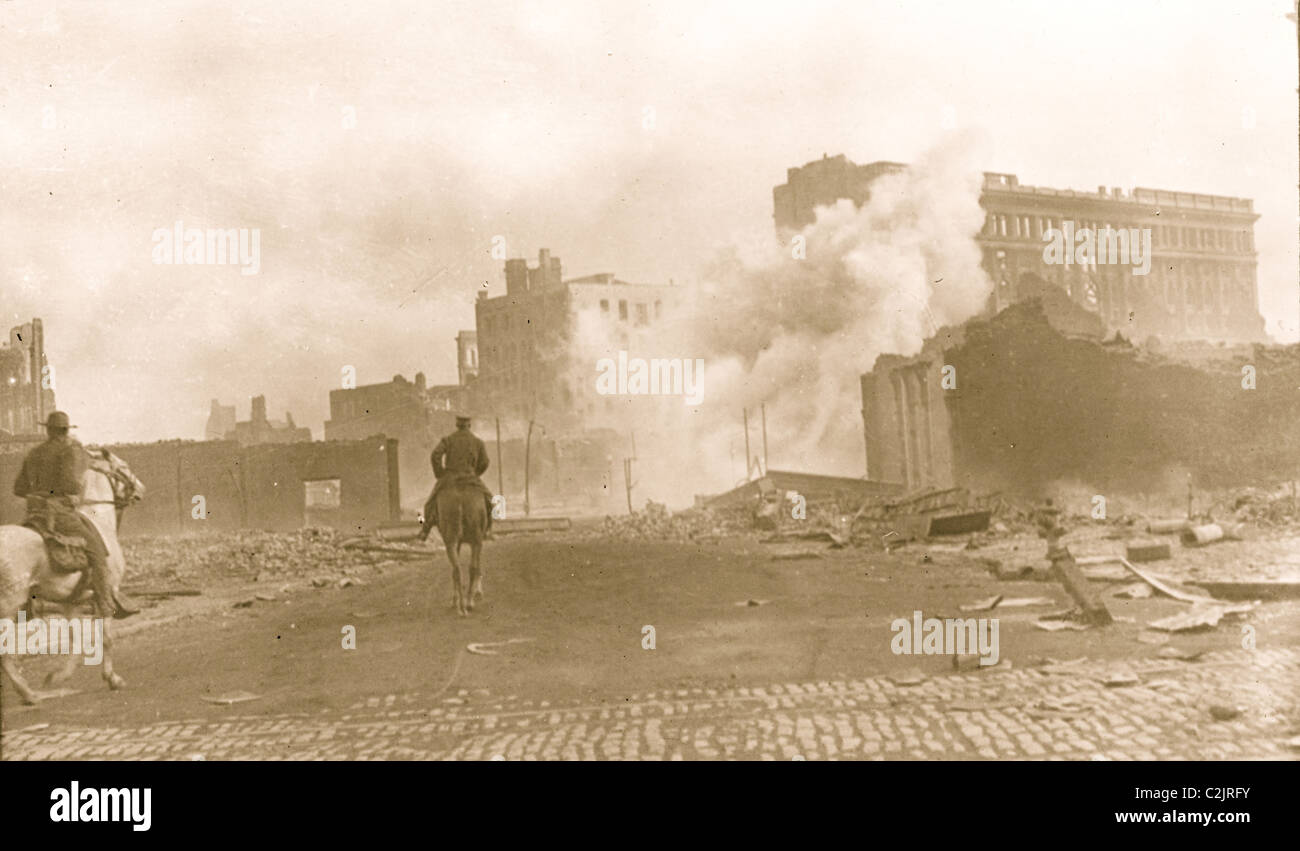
[(627, 474), (501, 482), (763, 409), (528, 448), (748, 460)]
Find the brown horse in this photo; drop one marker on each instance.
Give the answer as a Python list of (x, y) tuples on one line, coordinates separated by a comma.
[(25, 572), (462, 519)]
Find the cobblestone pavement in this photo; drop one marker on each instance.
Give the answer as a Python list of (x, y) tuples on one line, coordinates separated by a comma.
[(1153, 709)]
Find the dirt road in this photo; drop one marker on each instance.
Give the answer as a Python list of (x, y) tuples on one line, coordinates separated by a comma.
[(564, 623)]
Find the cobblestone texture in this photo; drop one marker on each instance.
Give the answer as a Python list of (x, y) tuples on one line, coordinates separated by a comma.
[(1061, 712)]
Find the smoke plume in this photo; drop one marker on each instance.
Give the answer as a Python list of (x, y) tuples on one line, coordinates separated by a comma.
[(795, 335)]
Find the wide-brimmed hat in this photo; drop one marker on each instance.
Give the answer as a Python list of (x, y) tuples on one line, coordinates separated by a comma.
[(58, 419), (463, 419)]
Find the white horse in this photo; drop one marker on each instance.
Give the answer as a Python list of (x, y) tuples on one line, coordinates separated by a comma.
[(108, 487)]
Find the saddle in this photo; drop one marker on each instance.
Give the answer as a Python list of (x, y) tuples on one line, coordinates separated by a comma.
[(67, 553)]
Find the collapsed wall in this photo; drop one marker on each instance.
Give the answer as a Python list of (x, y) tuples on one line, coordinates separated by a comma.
[(1034, 401)]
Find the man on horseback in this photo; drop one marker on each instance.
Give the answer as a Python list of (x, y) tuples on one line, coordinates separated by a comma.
[(462, 455), (51, 481)]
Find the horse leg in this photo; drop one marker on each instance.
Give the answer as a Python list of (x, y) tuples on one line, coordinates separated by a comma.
[(61, 675), (28, 696), (115, 681), (475, 574), (458, 596)]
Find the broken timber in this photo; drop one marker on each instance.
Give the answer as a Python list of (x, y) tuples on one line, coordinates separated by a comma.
[(1067, 572)]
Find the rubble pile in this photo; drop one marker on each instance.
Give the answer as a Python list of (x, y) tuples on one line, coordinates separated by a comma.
[(1260, 507), (655, 522), (245, 556)]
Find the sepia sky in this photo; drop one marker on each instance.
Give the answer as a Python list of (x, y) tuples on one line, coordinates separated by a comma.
[(639, 139)]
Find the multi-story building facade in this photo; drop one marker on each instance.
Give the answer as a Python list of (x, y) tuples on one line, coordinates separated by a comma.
[(26, 381), (1202, 280), (526, 337)]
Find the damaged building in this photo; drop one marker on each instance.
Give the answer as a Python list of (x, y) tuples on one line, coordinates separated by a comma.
[(415, 413), (1201, 284), (257, 430), (524, 337), (26, 381), (1040, 394)]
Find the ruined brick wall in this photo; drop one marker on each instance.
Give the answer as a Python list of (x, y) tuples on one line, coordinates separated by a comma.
[(1033, 407), (256, 487)]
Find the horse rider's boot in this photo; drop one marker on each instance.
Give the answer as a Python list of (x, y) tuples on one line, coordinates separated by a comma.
[(430, 518), (107, 598)]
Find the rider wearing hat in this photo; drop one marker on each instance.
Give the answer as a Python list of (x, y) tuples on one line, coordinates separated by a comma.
[(51, 481), (459, 457)]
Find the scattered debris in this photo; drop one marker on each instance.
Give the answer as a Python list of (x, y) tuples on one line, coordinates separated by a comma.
[(481, 647), (1071, 668), (244, 604), (1120, 678), (1022, 573), (751, 603), (161, 593), (1136, 591), (1263, 590), (1224, 713), (908, 678), (1052, 704), (1180, 653), (982, 605), (1167, 527), (1147, 550), (795, 556), (265, 598), (1019, 602), (1199, 536), (1200, 617), (1102, 569), (232, 697), (1057, 626), (1165, 586)]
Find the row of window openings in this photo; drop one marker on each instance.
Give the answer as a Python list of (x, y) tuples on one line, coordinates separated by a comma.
[(642, 314), (1230, 272), (642, 310), (1202, 295), (1029, 227)]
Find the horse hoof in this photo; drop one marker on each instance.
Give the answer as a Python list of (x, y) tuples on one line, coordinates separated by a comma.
[(116, 683)]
